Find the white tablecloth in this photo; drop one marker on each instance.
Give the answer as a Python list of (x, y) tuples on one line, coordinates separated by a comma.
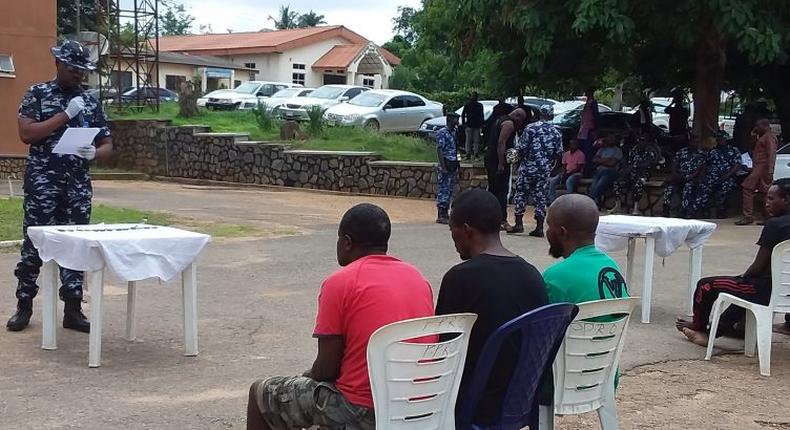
[(133, 251), (670, 233)]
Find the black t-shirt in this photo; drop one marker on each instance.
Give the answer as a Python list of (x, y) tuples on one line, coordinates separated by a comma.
[(497, 289), (492, 157), (473, 115), (776, 231)]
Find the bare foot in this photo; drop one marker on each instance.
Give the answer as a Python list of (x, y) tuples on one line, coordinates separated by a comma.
[(681, 323), (696, 337)]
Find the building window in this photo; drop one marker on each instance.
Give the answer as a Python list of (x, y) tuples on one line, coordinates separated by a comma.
[(299, 66), (173, 82), (7, 65), (368, 82), (236, 83), (249, 65), (298, 78)]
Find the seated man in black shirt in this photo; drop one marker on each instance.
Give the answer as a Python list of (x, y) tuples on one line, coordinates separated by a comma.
[(493, 283)]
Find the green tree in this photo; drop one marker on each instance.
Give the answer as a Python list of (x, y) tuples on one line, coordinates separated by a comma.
[(310, 19), (287, 18), (175, 21), (67, 16)]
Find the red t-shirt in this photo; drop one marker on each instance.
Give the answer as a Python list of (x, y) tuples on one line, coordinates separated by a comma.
[(573, 161), (359, 299)]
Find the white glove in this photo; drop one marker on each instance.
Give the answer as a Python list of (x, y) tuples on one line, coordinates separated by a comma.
[(75, 107), (87, 152)]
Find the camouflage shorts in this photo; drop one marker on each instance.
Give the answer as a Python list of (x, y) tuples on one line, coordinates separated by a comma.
[(297, 402)]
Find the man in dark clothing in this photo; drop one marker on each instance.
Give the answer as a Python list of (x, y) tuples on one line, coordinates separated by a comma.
[(678, 115), (473, 118), (500, 109), (493, 283), (500, 140)]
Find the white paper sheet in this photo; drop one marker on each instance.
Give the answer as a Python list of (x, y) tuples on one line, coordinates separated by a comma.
[(75, 138), (746, 160)]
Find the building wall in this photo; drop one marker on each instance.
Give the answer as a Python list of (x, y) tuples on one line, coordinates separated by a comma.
[(27, 33)]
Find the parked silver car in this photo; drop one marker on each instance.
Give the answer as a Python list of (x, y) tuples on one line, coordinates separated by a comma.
[(281, 97), (324, 97), (385, 110)]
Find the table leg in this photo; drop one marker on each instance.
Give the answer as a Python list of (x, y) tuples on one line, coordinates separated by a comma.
[(131, 311), (49, 284), (647, 285), (629, 267), (695, 273), (189, 293), (96, 281)]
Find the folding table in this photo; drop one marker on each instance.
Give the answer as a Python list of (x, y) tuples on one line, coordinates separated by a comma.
[(662, 236), (133, 252)]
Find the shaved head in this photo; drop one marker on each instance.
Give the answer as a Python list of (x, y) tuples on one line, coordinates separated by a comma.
[(572, 221)]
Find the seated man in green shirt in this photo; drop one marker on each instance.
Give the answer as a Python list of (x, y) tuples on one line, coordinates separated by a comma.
[(586, 273)]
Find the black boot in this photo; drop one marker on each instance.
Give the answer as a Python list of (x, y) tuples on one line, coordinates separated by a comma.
[(518, 227), (73, 317), (443, 217), (21, 319), (538, 232)]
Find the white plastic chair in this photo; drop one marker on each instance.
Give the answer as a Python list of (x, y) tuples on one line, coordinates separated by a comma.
[(587, 362), (414, 384), (759, 318)]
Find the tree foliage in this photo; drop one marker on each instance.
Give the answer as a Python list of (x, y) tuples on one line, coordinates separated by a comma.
[(67, 16), (174, 21), (310, 19), (286, 19)]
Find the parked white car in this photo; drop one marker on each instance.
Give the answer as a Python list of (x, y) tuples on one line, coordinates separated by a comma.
[(245, 96), (325, 97), (782, 166), (385, 110), (281, 97)]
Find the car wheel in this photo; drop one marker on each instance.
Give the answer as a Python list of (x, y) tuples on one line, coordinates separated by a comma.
[(372, 124)]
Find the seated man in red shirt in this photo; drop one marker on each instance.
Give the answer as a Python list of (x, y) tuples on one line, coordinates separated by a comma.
[(370, 291)]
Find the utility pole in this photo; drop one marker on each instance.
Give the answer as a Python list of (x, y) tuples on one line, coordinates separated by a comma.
[(79, 14)]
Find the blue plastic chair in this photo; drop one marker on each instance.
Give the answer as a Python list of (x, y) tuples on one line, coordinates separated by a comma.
[(542, 332)]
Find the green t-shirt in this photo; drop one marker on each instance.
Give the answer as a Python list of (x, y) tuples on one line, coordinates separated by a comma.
[(585, 276)]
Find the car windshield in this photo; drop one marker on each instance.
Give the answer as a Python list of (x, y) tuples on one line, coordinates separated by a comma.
[(327, 93), (285, 93), (247, 88), (267, 90), (568, 118), (367, 99)]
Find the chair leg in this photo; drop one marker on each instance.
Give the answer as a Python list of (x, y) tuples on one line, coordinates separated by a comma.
[(764, 335), (546, 418), (750, 334), (714, 326), (607, 413)]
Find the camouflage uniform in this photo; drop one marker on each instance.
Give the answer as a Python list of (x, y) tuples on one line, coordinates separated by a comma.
[(57, 187), (713, 188), (636, 174), (447, 145), (299, 402), (538, 147), (688, 162)]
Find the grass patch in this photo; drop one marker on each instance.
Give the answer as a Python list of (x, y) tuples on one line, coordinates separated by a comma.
[(391, 146), (11, 216), (220, 121)]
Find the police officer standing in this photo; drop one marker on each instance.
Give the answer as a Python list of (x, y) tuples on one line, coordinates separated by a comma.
[(57, 186), (447, 167)]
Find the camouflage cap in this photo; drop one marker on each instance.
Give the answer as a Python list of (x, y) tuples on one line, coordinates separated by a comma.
[(547, 111), (72, 53)]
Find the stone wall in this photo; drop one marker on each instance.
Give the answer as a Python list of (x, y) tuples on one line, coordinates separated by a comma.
[(157, 148), (12, 165)]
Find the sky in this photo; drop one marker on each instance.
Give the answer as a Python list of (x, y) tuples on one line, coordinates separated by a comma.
[(371, 19)]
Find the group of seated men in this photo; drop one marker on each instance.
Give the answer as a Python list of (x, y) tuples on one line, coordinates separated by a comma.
[(373, 289), (703, 178)]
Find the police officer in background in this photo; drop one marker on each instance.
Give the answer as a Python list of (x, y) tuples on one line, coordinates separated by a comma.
[(447, 167), (57, 187)]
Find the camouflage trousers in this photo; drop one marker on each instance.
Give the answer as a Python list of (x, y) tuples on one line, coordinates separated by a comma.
[(532, 187), (51, 199), (445, 187), (298, 402), (633, 181), (714, 195), (688, 196)]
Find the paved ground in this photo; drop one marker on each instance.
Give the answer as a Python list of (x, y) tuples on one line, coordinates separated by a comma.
[(257, 304)]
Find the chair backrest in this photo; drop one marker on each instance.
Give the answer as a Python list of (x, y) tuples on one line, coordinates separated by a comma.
[(590, 354), (414, 383), (780, 274), (540, 333)]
